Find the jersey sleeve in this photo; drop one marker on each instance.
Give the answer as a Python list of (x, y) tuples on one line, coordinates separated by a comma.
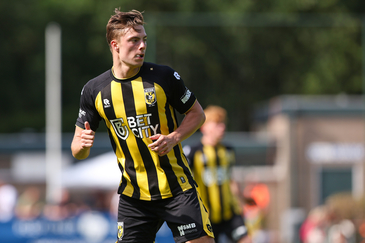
[(87, 111), (182, 99)]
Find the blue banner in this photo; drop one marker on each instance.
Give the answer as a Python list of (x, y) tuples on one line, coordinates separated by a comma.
[(91, 227)]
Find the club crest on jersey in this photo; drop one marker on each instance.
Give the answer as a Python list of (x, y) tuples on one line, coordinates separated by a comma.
[(150, 96), (120, 230)]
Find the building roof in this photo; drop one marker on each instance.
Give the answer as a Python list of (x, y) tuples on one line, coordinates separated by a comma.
[(311, 105)]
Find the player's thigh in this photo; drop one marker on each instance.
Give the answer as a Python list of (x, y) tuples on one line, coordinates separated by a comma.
[(187, 217), (136, 223)]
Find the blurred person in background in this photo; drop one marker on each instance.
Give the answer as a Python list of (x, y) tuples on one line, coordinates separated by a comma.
[(113, 205), (256, 197), (315, 226), (8, 198), (138, 102), (29, 205), (211, 162), (66, 208), (342, 232)]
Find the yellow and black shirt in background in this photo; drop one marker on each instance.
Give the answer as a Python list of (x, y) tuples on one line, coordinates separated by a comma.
[(211, 167), (134, 109)]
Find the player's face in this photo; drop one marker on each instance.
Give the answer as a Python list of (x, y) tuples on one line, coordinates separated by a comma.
[(132, 46), (215, 130)]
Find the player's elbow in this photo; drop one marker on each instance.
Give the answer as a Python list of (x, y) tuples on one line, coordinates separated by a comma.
[(202, 119)]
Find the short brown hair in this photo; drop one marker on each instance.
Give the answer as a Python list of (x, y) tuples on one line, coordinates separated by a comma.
[(120, 21), (215, 114)]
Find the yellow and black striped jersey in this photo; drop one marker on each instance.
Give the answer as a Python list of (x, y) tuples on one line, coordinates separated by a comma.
[(211, 167), (133, 110)]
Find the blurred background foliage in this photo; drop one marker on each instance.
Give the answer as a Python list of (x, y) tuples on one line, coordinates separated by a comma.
[(232, 53)]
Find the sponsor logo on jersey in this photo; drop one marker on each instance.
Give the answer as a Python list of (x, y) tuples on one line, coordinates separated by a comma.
[(81, 113), (186, 96), (106, 103), (177, 76), (140, 126), (218, 176), (120, 128), (120, 230), (187, 228), (150, 96)]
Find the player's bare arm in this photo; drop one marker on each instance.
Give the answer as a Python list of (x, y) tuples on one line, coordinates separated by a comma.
[(193, 119), (82, 141)]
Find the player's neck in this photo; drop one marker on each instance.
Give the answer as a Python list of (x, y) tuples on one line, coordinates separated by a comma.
[(124, 71), (208, 141)]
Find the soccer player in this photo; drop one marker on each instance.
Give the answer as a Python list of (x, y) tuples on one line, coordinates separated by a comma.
[(137, 101), (211, 161)]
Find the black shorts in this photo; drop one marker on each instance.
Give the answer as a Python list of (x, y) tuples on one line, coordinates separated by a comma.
[(185, 214), (234, 228)]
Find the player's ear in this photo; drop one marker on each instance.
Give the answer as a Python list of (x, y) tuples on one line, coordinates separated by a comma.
[(114, 45)]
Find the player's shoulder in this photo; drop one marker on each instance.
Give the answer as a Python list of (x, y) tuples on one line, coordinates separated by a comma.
[(228, 146), (97, 83), (157, 67), (104, 78), (191, 149), (163, 71)]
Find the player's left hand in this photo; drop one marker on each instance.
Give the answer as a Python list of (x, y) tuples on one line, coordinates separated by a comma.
[(162, 144)]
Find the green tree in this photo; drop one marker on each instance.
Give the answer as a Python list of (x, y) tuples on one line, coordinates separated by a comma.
[(234, 54)]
